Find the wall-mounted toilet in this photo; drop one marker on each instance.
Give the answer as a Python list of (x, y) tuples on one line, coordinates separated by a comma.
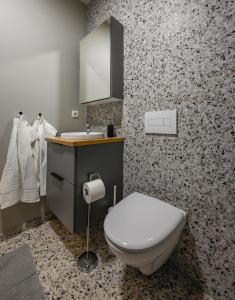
[(143, 231)]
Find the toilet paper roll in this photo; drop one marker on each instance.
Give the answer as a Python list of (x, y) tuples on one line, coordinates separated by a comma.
[(93, 190)]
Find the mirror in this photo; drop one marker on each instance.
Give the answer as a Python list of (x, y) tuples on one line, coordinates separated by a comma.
[(101, 63)]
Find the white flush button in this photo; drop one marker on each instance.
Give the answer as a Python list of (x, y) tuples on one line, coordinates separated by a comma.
[(156, 122), (166, 122), (162, 122)]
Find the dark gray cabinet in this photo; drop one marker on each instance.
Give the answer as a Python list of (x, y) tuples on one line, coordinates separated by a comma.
[(68, 169)]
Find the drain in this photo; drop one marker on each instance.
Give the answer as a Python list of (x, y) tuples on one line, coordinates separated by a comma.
[(87, 261)]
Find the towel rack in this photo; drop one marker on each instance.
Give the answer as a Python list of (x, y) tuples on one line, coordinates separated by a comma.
[(20, 114)]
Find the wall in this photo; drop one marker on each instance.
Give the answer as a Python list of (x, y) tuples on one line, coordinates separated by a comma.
[(178, 56), (39, 69)]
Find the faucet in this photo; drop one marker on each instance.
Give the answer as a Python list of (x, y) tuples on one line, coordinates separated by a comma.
[(88, 128)]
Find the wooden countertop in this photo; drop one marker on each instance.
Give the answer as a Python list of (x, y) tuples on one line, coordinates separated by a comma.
[(78, 143)]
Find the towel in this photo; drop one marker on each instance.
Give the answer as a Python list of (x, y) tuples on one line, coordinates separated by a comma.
[(27, 138), (9, 185), (43, 129), (19, 178)]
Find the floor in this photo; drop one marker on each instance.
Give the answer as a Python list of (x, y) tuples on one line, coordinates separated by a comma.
[(55, 252)]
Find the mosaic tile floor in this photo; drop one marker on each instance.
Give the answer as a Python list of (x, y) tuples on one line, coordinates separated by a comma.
[(55, 252)]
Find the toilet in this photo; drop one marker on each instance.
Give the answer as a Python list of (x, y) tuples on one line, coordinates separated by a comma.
[(143, 231)]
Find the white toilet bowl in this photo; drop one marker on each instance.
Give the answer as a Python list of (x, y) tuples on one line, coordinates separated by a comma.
[(143, 231)]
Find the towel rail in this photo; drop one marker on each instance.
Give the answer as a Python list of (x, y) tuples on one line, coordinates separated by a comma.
[(21, 113)]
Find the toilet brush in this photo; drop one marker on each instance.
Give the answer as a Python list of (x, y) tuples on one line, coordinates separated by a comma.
[(114, 198)]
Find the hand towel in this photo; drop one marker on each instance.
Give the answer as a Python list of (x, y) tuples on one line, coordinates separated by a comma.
[(43, 129), (27, 137), (10, 182), (19, 179)]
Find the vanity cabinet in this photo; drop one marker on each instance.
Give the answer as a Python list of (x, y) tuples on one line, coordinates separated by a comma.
[(69, 167), (101, 63)]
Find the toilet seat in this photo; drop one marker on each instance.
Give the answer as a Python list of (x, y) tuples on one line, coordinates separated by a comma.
[(140, 222), (157, 248)]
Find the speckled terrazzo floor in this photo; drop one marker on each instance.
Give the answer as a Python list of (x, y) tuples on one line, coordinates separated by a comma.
[(55, 252)]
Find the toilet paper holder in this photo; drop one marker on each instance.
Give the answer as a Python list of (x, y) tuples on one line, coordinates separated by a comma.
[(88, 260), (93, 175)]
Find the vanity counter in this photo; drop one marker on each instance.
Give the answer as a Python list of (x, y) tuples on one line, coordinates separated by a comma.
[(78, 143)]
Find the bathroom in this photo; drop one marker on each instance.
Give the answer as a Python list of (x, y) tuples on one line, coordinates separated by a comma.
[(177, 58)]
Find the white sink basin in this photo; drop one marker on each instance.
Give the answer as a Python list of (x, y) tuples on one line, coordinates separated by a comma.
[(82, 135)]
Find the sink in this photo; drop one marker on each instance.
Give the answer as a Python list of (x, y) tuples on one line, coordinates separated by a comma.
[(82, 135)]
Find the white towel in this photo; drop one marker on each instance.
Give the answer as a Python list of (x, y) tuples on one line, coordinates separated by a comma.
[(10, 185), (19, 178), (27, 137), (43, 129)]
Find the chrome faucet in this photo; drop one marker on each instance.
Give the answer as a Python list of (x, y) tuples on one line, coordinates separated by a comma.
[(88, 128)]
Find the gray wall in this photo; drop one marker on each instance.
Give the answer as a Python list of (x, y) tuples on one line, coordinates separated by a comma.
[(178, 56), (39, 65)]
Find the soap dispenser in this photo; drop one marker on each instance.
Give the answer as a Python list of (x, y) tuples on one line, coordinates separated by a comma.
[(110, 130)]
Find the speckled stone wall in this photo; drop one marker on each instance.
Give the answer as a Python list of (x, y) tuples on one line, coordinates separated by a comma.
[(178, 55)]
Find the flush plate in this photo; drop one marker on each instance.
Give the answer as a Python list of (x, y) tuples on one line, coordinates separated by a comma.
[(161, 122)]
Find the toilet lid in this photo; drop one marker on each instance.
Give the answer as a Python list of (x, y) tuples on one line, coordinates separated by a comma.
[(139, 222)]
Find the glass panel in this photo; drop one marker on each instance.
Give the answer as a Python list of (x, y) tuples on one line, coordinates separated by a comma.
[(95, 64)]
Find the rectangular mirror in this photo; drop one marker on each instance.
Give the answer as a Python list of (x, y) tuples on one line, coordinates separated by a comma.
[(101, 63)]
